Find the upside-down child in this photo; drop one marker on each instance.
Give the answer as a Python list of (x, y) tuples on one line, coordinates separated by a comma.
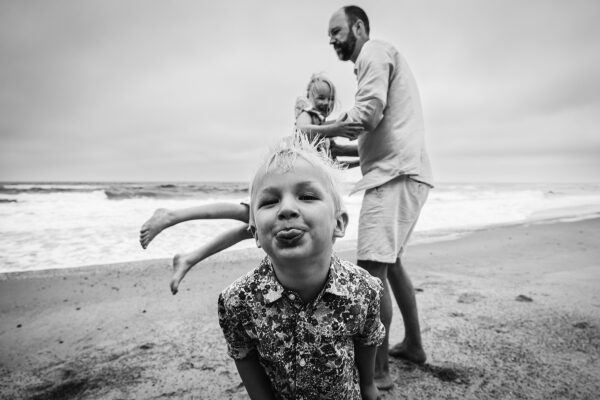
[(304, 323), (311, 112)]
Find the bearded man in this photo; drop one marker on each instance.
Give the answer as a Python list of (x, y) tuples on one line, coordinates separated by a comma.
[(395, 167)]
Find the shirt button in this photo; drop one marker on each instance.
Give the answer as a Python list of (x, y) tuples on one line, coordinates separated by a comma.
[(302, 363), (291, 296)]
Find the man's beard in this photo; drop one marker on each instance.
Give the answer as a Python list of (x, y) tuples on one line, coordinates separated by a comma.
[(346, 48)]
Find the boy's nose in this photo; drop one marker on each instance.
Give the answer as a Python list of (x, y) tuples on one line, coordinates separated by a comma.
[(287, 209)]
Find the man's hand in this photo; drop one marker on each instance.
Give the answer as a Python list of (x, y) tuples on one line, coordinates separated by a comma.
[(349, 130)]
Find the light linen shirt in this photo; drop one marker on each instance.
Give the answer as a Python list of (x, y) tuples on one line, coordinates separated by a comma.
[(388, 104), (306, 349)]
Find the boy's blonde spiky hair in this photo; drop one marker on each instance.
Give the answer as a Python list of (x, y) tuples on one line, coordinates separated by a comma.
[(283, 156)]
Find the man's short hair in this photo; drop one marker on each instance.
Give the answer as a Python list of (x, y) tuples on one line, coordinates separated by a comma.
[(354, 13)]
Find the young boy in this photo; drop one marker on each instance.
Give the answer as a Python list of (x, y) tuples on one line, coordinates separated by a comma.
[(304, 324)]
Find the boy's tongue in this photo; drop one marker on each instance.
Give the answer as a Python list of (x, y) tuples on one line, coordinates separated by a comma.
[(289, 235)]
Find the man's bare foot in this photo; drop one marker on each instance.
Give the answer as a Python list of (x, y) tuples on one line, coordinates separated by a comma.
[(160, 220), (384, 382), (180, 268), (408, 353)]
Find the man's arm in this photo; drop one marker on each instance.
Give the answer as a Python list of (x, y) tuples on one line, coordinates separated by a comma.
[(373, 74), (365, 363), (342, 128), (254, 377)]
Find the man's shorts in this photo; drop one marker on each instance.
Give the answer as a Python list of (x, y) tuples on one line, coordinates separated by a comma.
[(387, 218)]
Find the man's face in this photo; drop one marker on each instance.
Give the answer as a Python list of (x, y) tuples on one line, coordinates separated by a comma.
[(341, 36), (295, 214)]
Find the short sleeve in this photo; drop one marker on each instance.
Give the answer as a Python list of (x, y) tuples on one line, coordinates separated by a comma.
[(372, 331), (232, 321), (302, 103)]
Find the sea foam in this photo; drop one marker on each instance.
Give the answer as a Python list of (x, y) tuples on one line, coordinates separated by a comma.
[(45, 225)]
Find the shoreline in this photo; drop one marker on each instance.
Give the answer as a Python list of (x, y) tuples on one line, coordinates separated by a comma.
[(507, 312), (233, 255)]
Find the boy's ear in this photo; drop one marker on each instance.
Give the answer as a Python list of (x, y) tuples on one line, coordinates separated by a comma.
[(252, 230), (341, 222)]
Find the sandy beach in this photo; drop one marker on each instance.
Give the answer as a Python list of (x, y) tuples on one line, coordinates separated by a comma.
[(507, 313)]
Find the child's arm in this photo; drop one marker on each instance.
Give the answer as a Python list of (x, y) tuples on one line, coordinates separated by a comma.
[(349, 163), (234, 319), (254, 377), (182, 264), (365, 363), (341, 128), (343, 150), (371, 334)]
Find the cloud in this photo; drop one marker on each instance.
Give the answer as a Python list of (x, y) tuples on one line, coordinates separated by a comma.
[(195, 90)]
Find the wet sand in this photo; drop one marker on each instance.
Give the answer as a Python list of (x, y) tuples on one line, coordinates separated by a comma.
[(507, 313)]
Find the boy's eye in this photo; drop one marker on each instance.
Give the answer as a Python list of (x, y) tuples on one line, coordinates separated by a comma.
[(308, 196), (266, 202)]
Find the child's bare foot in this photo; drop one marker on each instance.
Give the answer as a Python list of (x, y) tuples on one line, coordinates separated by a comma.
[(384, 382), (180, 267), (408, 353), (160, 220)]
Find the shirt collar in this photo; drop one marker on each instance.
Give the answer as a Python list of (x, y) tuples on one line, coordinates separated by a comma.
[(358, 57), (337, 280), (337, 283), (274, 290)]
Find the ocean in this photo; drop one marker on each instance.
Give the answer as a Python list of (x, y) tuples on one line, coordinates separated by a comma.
[(69, 225)]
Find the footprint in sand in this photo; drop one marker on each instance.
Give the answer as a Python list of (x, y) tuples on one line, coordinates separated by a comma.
[(447, 374), (65, 390), (582, 325), (523, 298), (61, 384), (468, 298)]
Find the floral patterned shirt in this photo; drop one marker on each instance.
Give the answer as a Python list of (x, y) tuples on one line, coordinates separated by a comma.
[(306, 349)]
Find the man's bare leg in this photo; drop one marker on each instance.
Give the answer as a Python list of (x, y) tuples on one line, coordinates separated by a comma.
[(164, 218), (383, 380), (182, 263), (411, 348)]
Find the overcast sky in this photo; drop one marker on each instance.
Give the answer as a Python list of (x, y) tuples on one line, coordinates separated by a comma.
[(193, 90)]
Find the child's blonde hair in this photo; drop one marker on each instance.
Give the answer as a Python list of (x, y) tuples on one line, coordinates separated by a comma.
[(282, 157)]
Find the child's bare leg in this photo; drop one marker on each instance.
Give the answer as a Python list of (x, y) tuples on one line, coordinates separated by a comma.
[(160, 220), (164, 218), (182, 263)]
